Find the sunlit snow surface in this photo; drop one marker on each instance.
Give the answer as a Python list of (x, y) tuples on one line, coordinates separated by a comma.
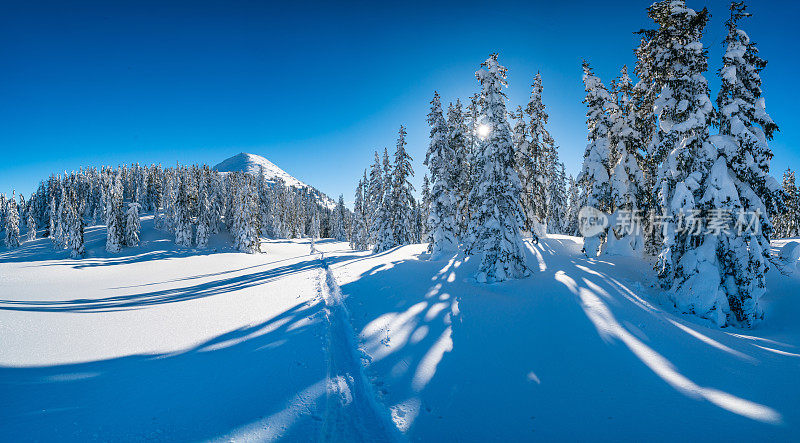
[(165, 343)]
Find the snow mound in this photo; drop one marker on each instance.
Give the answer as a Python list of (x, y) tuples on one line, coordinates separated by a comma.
[(253, 164), (789, 255)]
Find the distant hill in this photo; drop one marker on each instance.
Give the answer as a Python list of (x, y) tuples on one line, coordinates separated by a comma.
[(253, 164)]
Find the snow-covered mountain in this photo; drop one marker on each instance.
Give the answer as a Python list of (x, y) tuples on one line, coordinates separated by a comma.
[(253, 164)]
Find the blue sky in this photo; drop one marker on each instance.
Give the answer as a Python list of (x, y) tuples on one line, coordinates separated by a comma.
[(314, 87)]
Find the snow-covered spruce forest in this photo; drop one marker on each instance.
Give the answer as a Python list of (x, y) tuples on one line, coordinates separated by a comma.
[(190, 202), (654, 287), (658, 148)]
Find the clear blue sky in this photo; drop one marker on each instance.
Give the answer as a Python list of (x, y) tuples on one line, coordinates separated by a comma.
[(314, 87)]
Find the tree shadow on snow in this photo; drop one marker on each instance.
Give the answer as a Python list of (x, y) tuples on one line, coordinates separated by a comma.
[(163, 296), (405, 329), (154, 245), (258, 382), (444, 345), (669, 345)]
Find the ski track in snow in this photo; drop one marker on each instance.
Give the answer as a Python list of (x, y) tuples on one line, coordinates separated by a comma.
[(352, 413), (353, 346), (582, 339)]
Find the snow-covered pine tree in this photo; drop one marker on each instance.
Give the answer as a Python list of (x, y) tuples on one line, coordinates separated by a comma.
[(74, 227), (401, 198), (305, 213), (366, 214), (262, 197), (12, 223), (244, 229), (59, 234), (575, 205), (293, 216), (21, 210), (627, 182), (133, 224), (314, 228), (279, 209), (31, 227), (419, 222), (113, 216), (467, 172), (3, 204), (525, 164), (375, 198), (789, 220), (440, 161), (52, 214), (385, 235), (742, 114), (740, 180), (498, 214), (181, 212), (693, 179), (557, 199), (594, 175), (534, 159), (217, 200), (645, 93), (458, 140), (425, 206), (338, 220), (171, 198), (204, 219), (358, 239)]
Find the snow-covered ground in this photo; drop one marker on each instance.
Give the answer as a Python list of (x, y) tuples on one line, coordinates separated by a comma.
[(583, 350), (159, 342)]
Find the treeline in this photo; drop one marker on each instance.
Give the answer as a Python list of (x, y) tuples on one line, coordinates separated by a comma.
[(487, 183), (652, 153), (787, 222), (651, 159), (387, 215), (192, 202)]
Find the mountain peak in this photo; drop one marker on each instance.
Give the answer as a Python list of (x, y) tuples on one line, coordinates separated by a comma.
[(254, 164)]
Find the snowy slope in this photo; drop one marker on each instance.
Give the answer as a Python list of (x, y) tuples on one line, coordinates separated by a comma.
[(166, 343), (584, 350), (161, 343), (253, 164)]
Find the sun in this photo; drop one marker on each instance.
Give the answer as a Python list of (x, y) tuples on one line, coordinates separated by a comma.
[(484, 130)]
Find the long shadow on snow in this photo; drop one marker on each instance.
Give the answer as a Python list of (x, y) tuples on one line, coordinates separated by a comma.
[(256, 379), (154, 245), (607, 303), (422, 337), (410, 340), (210, 274), (172, 295)]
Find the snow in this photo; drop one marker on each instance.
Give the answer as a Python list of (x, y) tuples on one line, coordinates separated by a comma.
[(583, 339), (789, 255), (169, 343), (253, 164), (161, 342)]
